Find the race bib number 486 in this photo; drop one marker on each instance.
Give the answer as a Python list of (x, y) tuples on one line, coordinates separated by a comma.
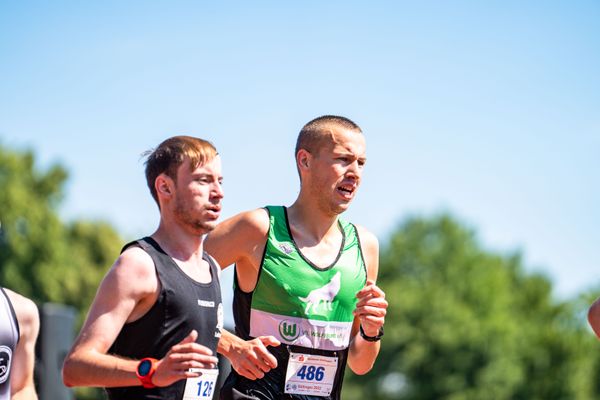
[(310, 374)]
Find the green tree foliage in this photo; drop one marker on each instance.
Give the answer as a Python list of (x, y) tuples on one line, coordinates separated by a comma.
[(465, 323), (40, 256)]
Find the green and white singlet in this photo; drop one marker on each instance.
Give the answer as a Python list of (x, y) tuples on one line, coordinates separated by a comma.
[(309, 309)]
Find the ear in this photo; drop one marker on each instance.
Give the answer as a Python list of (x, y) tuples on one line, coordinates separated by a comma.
[(164, 186), (303, 159)]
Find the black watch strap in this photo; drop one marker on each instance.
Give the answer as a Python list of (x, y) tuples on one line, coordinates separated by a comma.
[(371, 338)]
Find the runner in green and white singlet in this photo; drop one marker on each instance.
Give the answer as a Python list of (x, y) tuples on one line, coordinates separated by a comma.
[(313, 316), (305, 302)]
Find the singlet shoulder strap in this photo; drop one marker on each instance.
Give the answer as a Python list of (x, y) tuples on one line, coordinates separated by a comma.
[(279, 229), (214, 266), (354, 240), (277, 218), (145, 243), (349, 229)]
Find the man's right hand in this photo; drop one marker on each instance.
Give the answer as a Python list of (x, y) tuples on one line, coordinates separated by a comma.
[(251, 358), (186, 354)]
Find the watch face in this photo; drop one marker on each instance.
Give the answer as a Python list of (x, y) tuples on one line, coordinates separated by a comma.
[(144, 367)]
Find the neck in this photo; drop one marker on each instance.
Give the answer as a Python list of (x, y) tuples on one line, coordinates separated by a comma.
[(311, 220), (177, 242)]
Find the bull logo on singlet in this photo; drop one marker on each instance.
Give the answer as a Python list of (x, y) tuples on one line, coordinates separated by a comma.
[(323, 296), (289, 330), (5, 356)]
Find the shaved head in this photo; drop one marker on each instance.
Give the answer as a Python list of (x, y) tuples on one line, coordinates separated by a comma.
[(313, 135)]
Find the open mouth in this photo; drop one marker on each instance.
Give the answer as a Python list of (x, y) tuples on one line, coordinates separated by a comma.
[(346, 190)]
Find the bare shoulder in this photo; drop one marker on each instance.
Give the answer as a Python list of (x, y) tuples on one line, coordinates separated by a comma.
[(368, 240), (27, 312), (253, 221), (238, 237), (136, 261), (247, 225), (258, 220), (133, 265)]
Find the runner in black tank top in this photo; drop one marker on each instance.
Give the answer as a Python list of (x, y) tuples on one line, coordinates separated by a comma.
[(153, 327), (183, 305)]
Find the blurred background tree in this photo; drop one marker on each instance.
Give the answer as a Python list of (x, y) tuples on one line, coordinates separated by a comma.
[(467, 323), (40, 256)]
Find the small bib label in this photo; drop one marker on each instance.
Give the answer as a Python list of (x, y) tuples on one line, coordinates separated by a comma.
[(310, 374), (201, 387)]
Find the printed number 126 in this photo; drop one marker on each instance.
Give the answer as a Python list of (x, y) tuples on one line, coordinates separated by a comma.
[(208, 388)]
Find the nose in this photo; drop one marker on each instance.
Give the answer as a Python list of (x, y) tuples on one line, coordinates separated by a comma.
[(218, 190), (355, 168)]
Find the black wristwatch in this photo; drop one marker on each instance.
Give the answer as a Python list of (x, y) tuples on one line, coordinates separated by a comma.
[(371, 338)]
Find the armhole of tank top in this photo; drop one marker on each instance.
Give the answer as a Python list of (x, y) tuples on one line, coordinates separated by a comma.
[(236, 283), (13, 313), (360, 250), (214, 265), (262, 259)]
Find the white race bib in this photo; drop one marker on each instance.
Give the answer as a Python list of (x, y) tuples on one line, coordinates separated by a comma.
[(201, 387), (310, 374)]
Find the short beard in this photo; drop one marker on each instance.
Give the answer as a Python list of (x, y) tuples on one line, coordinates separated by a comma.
[(325, 203), (184, 217)]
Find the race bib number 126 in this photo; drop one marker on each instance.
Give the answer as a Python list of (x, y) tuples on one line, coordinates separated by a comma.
[(201, 387)]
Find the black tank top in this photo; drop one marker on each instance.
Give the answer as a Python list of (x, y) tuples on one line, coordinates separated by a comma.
[(182, 305), (9, 337)]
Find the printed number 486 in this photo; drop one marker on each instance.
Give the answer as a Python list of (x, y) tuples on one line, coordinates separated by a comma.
[(311, 373), (208, 388)]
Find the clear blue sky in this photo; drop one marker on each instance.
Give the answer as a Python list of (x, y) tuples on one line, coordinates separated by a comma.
[(489, 110)]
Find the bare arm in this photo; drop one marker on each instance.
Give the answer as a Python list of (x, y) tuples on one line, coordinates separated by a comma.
[(21, 376), (241, 240), (127, 292), (370, 310)]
